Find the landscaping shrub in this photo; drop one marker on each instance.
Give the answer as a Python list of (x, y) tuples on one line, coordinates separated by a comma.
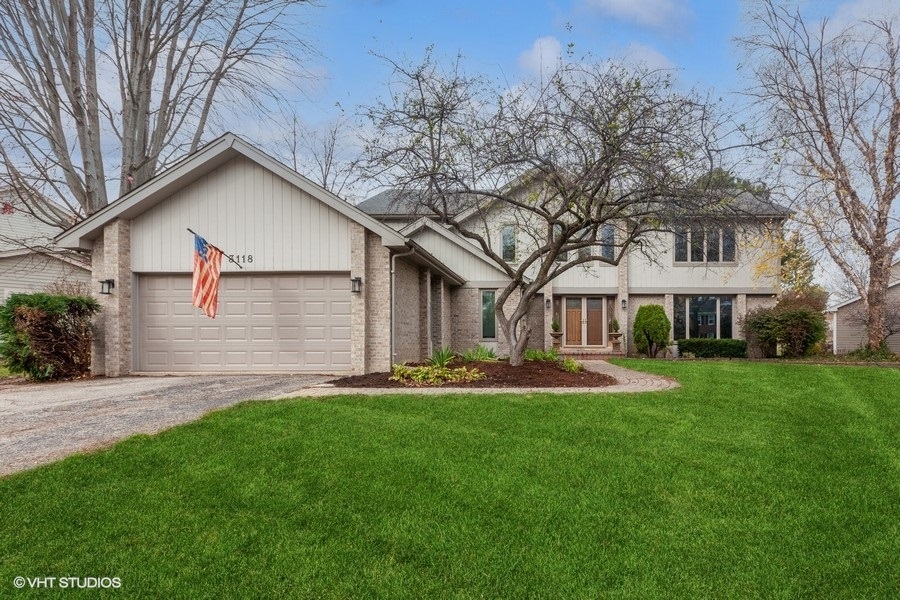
[(796, 329), (571, 365), (651, 329), (433, 374), (882, 354), (47, 336), (441, 357), (712, 348), (546, 355), (477, 353)]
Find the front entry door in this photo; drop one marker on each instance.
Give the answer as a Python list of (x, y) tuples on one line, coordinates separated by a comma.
[(584, 321)]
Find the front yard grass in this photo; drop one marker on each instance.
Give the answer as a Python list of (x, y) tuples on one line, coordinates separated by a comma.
[(752, 480)]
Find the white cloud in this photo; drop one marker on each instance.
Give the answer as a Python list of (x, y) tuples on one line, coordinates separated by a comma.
[(655, 14), (542, 58), (646, 56), (861, 10)]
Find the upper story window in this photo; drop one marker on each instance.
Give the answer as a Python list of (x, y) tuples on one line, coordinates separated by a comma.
[(508, 243), (705, 245), (608, 241)]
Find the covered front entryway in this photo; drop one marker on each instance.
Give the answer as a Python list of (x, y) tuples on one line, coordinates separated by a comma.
[(266, 322), (584, 321)]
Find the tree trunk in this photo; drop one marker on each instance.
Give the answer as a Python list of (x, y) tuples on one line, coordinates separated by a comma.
[(877, 302), (517, 340)]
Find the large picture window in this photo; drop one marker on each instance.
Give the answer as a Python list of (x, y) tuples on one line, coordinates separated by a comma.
[(703, 317), (488, 316), (711, 245)]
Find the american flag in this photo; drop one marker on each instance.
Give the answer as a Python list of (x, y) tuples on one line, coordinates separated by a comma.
[(207, 265)]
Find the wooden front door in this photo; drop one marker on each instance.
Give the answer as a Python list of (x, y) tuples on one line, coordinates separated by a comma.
[(584, 319)]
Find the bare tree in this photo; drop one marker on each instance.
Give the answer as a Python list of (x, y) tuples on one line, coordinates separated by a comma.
[(833, 98), (583, 166), (325, 155), (94, 87)]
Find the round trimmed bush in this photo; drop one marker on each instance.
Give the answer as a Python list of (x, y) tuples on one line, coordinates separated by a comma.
[(651, 329)]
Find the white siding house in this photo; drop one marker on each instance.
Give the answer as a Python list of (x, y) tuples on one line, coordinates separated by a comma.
[(28, 262)]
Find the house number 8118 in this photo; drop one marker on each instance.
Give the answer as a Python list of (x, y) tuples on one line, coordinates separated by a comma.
[(241, 258)]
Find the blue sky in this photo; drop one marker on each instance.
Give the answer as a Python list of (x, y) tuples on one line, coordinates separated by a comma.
[(507, 39), (510, 39)]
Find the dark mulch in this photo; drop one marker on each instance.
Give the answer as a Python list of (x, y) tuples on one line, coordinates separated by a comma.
[(533, 374)]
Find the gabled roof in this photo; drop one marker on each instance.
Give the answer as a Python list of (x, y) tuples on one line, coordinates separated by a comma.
[(192, 168), (425, 223)]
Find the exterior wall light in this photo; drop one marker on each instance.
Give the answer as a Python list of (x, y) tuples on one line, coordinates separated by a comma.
[(356, 285), (624, 304), (107, 285)]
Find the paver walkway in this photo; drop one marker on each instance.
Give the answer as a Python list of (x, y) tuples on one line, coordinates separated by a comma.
[(40, 423)]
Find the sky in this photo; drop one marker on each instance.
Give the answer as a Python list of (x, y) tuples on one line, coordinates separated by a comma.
[(513, 39)]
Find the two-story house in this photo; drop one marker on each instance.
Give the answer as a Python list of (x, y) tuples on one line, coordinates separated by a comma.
[(316, 284), (706, 275)]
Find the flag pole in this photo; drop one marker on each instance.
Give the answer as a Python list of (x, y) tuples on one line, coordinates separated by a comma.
[(231, 260)]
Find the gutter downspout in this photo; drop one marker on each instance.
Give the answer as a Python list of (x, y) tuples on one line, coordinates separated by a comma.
[(394, 258)]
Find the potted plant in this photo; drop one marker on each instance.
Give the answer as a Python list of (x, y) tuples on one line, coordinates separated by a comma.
[(615, 336), (555, 333)]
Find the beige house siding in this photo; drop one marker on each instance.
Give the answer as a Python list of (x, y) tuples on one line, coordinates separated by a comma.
[(848, 333), (465, 263), (32, 272), (664, 275), (248, 211)]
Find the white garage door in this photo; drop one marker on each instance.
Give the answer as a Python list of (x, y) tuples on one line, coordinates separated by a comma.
[(264, 323)]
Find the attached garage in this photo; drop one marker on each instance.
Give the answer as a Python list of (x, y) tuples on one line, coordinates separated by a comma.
[(266, 322)]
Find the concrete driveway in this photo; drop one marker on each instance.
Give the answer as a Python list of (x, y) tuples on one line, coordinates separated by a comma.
[(40, 423)]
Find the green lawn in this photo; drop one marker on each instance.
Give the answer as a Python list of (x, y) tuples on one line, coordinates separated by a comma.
[(753, 480)]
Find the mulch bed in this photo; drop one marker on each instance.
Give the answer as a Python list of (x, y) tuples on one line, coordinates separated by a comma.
[(533, 374)]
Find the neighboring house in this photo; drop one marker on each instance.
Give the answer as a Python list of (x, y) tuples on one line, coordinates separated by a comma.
[(28, 262), (705, 277), (846, 321), (326, 287)]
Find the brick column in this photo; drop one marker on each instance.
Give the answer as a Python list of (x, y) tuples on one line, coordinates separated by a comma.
[(113, 328), (624, 321), (358, 319), (378, 305)]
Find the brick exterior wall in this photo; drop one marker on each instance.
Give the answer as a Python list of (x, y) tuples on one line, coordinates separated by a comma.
[(111, 351), (407, 312), (465, 318)]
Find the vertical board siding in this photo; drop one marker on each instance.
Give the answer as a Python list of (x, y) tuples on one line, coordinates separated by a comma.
[(246, 210), (464, 263)]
